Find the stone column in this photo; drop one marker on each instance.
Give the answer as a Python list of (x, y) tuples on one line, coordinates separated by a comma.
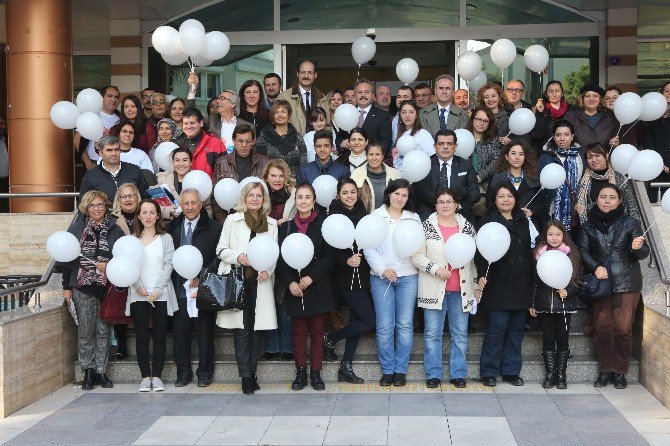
[(126, 43), (621, 33)]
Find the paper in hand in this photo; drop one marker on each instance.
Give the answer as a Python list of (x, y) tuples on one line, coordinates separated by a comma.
[(73, 311), (191, 307)]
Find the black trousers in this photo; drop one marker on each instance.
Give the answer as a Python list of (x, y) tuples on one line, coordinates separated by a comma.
[(121, 332), (361, 320), (555, 335), (247, 341), (142, 313), (204, 330)]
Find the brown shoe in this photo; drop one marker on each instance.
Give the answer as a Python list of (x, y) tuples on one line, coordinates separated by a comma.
[(589, 329), (335, 320)]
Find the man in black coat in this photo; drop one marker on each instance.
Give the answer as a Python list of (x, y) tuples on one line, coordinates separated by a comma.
[(375, 121), (447, 171), (193, 227)]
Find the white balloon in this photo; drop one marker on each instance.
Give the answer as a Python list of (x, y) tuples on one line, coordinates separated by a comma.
[(163, 38), (465, 143), (192, 22), (122, 271), (459, 250), (191, 40), (64, 115), (645, 165), (552, 176), (493, 241), (346, 117), (200, 181), (521, 121), (628, 107), (63, 246), (363, 50), (408, 238), (201, 61), (621, 157), (89, 125), (248, 180), (175, 60), (407, 70), (478, 82), (218, 45), (555, 269), (89, 100), (371, 231), (226, 193), (129, 247), (654, 106), (405, 144), (187, 261), (325, 187), (338, 231), (415, 166), (503, 53), (665, 202), (536, 58), (469, 65), (297, 250), (262, 252), (163, 155)]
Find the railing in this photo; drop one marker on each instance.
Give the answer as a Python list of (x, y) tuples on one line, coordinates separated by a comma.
[(74, 195), (660, 186)]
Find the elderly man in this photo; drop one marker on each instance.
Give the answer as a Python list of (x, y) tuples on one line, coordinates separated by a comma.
[(383, 97), (193, 227), (443, 114), (375, 121), (514, 93), (147, 93), (304, 97), (159, 108)]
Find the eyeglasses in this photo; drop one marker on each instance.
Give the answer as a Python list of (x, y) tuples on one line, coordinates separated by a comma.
[(481, 120), (445, 202), (126, 197), (159, 101), (256, 196), (514, 90), (96, 206)]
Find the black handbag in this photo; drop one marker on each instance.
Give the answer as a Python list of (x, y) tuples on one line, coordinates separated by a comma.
[(221, 292), (596, 289)]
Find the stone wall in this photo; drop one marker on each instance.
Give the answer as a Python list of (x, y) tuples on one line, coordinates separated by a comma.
[(654, 345)]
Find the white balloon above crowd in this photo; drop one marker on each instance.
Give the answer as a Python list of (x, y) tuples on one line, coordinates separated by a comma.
[(190, 42)]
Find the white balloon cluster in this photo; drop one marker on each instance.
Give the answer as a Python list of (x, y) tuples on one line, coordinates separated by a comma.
[(84, 116), (190, 42), (642, 165), (630, 107)]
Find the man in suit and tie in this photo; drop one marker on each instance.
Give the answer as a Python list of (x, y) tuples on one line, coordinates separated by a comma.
[(447, 171), (375, 121), (304, 96), (443, 114)]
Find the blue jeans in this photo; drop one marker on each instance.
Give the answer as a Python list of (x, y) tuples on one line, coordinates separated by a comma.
[(281, 339), (458, 332), (394, 307), (501, 350)]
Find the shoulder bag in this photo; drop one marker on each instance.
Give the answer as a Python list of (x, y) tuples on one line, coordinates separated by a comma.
[(113, 305), (221, 292)]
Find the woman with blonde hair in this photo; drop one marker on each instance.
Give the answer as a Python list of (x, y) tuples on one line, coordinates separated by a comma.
[(492, 97)]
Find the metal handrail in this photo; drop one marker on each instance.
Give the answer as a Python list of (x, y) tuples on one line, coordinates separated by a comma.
[(659, 184)]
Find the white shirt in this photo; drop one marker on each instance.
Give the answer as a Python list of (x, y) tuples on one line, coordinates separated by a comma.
[(137, 157), (227, 128), (311, 97), (108, 121), (446, 111), (385, 256), (4, 158), (448, 169)]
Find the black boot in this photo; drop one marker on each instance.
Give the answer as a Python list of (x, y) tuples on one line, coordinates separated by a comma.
[(254, 378), (329, 349), (316, 381), (104, 381), (346, 373), (561, 367), (550, 368), (248, 385), (89, 380), (300, 380)]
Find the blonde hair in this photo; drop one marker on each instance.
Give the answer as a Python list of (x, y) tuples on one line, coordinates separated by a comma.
[(498, 89), (88, 198), (276, 163), (116, 207), (241, 206)]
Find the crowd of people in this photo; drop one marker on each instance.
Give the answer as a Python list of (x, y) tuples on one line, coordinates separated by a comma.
[(289, 138)]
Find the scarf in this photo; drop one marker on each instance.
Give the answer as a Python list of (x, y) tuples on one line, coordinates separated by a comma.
[(603, 221), (93, 242), (354, 214), (284, 144), (585, 190), (176, 131), (278, 199), (303, 223), (565, 249), (558, 113), (563, 206)]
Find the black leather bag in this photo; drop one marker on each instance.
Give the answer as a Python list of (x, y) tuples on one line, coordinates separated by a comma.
[(221, 292), (596, 289)]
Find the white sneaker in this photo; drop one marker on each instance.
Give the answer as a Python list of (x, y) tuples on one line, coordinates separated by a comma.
[(157, 384), (145, 385)]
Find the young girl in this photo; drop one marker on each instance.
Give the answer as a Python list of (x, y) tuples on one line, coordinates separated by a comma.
[(555, 307)]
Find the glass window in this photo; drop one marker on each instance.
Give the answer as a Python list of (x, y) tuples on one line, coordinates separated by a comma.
[(518, 12), (234, 15), (653, 65), (90, 72)]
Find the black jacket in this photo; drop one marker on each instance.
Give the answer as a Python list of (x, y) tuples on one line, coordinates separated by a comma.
[(625, 263), (318, 298), (546, 299), (544, 126), (463, 181), (657, 137), (527, 189), (509, 281), (344, 275), (100, 179), (377, 124), (205, 237)]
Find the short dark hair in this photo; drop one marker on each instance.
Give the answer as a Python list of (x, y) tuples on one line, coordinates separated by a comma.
[(393, 186), (445, 132), (448, 191), (181, 150), (359, 130), (350, 87), (504, 185), (422, 85), (406, 87), (103, 90), (323, 134), (241, 129), (613, 88), (374, 143), (269, 75), (563, 123), (614, 187), (191, 112), (314, 63)]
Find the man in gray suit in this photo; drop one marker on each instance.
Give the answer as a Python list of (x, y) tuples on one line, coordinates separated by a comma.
[(443, 114)]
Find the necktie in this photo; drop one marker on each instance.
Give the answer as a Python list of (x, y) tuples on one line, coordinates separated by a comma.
[(443, 122), (308, 107), (361, 117), (444, 176), (189, 234)]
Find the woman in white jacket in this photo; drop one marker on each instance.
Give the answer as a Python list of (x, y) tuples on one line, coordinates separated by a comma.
[(259, 314), (444, 289), (393, 283)]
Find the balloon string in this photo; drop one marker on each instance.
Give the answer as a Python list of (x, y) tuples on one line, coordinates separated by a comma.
[(619, 131), (302, 299), (653, 223), (624, 183), (387, 288), (631, 127), (487, 270), (531, 200), (358, 72), (86, 258), (565, 318)]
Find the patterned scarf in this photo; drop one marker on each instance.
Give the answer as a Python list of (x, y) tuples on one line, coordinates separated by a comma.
[(303, 223), (563, 200), (585, 190), (93, 242)]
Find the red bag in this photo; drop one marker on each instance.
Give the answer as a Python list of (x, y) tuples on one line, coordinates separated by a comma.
[(113, 305)]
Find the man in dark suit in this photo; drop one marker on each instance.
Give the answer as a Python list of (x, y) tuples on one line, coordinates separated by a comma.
[(193, 227), (447, 171), (375, 121)]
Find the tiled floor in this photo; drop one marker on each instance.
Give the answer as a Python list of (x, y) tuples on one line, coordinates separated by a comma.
[(343, 415)]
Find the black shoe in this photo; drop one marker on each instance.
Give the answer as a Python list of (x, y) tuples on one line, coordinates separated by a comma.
[(488, 381), (204, 382), (432, 383), (418, 329), (89, 381), (267, 356), (300, 380), (329, 349), (254, 378), (120, 356), (459, 383), (514, 380), (346, 373), (104, 381), (602, 380), (620, 381), (550, 369), (386, 380), (287, 356), (399, 380), (561, 367), (316, 381), (183, 381), (248, 385)]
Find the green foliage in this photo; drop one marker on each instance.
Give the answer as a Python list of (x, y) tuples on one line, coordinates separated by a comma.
[(574, 81)]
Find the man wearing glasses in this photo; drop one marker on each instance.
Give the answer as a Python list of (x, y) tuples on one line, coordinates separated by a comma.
[(514, 93), (146, 102), (159, 108)]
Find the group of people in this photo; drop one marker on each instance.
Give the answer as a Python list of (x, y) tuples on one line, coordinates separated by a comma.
[(288, 139)]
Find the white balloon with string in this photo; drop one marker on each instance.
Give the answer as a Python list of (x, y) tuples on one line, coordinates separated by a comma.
[(465, 143), (621, 157), (200, 181), (405, 144), (163, 155)]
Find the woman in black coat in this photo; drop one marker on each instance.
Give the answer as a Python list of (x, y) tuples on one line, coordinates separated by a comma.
[(610, 234), (507, 298), (351, 276), (309, 292)]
